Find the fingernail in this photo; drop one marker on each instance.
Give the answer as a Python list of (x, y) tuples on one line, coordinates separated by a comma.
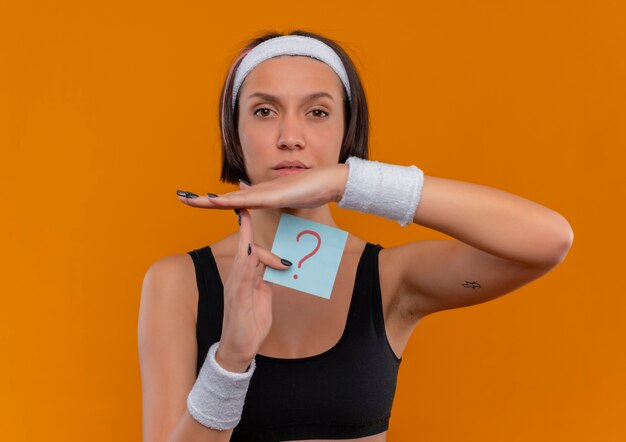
[(245, 182), (238, 216), (211, 195), (186, 194), (249, 249), (286, 262)]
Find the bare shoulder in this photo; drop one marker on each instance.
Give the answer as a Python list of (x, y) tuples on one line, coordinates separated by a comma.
[(391, 264), (389, 261), (170, 282)]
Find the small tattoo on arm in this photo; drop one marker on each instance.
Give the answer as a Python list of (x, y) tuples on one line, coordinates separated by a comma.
[(471, 285)]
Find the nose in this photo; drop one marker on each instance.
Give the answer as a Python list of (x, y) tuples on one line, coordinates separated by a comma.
[(291, 136)]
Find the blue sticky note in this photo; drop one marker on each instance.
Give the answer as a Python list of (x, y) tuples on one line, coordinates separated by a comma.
[(314, 249)]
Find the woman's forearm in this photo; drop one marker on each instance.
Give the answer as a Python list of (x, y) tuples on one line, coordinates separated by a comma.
[(497, 222)]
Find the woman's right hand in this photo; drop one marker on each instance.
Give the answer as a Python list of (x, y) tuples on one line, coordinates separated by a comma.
[(247, 301)]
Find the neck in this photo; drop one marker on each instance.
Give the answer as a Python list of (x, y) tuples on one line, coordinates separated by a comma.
[(265, 221)]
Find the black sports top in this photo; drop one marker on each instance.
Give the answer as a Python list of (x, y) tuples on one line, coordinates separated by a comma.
[(344, 393)]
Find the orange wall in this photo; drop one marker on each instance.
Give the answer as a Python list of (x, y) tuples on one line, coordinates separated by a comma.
[(106, 108)]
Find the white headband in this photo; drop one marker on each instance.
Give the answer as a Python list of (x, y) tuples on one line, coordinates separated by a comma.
[(289, 45)]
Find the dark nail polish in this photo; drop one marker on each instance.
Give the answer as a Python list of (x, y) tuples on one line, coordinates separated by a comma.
[(249, 249), (245, 182), (211, 195), (238, 216), (186, 194), (236, 211), (286, 262)]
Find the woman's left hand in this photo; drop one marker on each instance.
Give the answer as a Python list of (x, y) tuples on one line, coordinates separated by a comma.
[(311, 188)]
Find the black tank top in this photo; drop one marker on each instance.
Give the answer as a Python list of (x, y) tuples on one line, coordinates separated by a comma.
[(344, 393)]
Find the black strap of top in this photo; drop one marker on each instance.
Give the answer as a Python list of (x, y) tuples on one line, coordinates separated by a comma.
[(210, 302), (366, 305)]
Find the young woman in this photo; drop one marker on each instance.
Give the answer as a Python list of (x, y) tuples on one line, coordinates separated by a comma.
[(227, 356)]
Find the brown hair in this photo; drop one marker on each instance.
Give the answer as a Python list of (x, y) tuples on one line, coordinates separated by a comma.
[(356, 118)]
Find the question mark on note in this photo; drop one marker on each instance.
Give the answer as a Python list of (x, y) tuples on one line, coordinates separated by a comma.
[(317, 247)]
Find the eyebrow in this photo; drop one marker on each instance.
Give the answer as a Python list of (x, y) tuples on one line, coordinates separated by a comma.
[(273, 98)]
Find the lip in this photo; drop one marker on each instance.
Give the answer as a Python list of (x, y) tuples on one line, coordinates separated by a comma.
[(290, 165), (289, 171)]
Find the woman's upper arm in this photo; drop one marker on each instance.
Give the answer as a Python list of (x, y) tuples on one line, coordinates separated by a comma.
[(437, 275), (167, 343)]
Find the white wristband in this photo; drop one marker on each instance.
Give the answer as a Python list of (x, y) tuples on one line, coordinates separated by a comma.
[(216, 399), (383, 189)]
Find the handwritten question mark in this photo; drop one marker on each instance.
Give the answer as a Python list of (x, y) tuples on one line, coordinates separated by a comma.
[(317, 247)]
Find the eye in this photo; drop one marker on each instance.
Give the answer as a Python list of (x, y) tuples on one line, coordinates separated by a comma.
[(319, 113), (262, 112)]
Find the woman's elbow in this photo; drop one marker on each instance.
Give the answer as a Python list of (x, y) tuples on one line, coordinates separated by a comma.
[(560, 242)]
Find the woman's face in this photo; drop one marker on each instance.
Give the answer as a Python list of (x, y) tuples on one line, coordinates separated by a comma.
[(290, 109)]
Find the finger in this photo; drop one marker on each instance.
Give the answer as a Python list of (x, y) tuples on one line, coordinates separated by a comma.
[(266, 257), (203, 201), (245, 234), (231, 200), (251, 198)]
